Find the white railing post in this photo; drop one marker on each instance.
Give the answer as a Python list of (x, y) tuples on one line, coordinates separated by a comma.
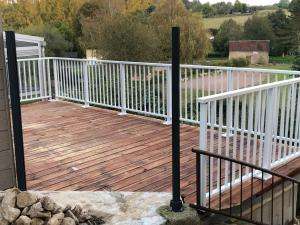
[(85, 84), (55, 79), (267, 150), (169, 96), (41, 78), (229, 81), (203, 146), (123, 90)]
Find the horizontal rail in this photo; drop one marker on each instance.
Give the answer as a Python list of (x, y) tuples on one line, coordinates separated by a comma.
[(202, 152), (248, 90), (288, 72)]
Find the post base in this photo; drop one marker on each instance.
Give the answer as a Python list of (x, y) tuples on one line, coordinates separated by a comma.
[(122, 113), (176, 206), (168, 123), (85, 106), (258, 174)]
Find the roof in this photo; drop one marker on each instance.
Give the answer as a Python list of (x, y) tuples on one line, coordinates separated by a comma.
[(249, 46)]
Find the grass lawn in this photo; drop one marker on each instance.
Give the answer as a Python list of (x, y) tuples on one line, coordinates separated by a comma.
[(273, 67), (215, 22)]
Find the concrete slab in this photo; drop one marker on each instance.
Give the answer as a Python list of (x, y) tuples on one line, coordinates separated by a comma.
[(117, 208)]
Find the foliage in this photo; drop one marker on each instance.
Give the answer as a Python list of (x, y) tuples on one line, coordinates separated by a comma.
[(229, 31), (141, 35), (284, 4), (295, 24), (56, 43), (279, 22), (239, 62), (296, 63), (258, 28)]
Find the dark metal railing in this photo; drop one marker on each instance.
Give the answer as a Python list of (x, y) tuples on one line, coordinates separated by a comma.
[(275, 182)]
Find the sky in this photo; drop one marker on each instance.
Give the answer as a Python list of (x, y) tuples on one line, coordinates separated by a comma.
[(249, 2)]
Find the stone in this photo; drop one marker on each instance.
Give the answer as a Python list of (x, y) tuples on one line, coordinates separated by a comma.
[(23, 220), (37, 211), (67, 208), (70, 214), (3, 221), (37, 221), (10, 214), (1, 196), (10, 197), (68, 221), (25, 211), (26, 199), (56, 219), (48, 204), (77, 211), (188, 216)]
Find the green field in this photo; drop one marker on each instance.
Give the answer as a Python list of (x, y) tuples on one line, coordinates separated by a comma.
[(215, 22)]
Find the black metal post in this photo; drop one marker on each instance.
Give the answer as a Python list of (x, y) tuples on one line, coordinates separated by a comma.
[(16, 109), (176, 203)]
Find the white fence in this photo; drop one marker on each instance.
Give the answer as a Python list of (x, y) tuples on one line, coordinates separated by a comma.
[(259, 125), (34, 79), (255, 112)]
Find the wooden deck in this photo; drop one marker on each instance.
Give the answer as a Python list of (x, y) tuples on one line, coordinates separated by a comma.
[(68, 147)]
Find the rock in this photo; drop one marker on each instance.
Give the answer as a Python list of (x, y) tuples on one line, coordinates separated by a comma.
[(70, 214), (43, 215), (48, 204), (25, 211), (23, 220), (3, 221), (1, 196), (67, 208), (77, 211), (84, 216), (37, 211), (37, 221), (25, 199), (10, 214), (56, 219), (10, 197), (68, 221)]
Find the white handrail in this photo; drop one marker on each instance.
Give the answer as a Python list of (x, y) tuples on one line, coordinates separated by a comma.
[(248, 90), (289, 72)]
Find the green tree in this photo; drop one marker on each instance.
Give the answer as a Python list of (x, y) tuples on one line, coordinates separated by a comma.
[(279, 22), (294, 26), (284, 4), (56, 42), (258, 28), (230, 30), (194, 39), (296, 63)]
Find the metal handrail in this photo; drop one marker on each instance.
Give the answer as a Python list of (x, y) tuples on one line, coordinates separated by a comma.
[(204, 207)]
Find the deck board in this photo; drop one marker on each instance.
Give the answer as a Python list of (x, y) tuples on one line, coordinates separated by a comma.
[(69, 148)]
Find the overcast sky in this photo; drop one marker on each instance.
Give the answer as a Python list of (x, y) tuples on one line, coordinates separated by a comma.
[(249, 2)]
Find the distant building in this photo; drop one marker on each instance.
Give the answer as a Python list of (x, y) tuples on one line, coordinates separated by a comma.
[(256, 51)]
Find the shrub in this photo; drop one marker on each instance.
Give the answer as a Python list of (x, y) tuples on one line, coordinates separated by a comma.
[(239, 62), (296, 63)]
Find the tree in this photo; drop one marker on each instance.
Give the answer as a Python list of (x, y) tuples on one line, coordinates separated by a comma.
[(279, 22), (284, 4), (207, 10), (295, 24), (56, 43), (296, 63), (258, 28), (194, 39), (230, 30)]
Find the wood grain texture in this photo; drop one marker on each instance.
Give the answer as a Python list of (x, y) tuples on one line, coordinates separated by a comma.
[(68, 147)]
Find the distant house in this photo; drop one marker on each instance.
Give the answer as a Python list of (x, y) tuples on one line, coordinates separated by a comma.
[(256, 51)]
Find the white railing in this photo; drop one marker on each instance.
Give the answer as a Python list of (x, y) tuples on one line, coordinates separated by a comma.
[(257, 125), (244, 113), (34, 79)]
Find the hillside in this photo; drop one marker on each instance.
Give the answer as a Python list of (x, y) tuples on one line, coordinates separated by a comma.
[(215, 22)]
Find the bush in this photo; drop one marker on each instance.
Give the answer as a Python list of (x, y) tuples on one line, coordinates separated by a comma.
[(239, 62), (296, 63)]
